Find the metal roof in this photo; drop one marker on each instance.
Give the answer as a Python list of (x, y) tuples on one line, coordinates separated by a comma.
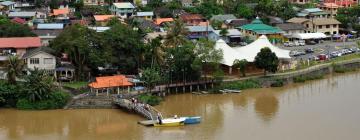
[(200, 28), (54, 26), (124, 5), (142, 14), (22, 14), (7, 3)]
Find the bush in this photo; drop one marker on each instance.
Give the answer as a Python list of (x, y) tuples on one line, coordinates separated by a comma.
[(241, 85), (342, 69), (57, 100), (302, 79), (150, 99), (277, 83)]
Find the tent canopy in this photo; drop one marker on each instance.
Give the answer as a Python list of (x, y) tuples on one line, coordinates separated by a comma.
[(229, 54), (309, 35), (250, 51)]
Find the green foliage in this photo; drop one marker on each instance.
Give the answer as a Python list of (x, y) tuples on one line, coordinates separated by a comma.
[(76, 85), (216, 24), (8, 93), (151, 77), (57, 100), (277, 83), (223, 32), (37, 86), (241, 85), (283, 9), (267, 60), (342, 69), (150, 99), (176, 35), (10, 29), (207, 9), (241, 10), (14, 68), (348, 16), (90, 10), (54, 4), (241, 64)]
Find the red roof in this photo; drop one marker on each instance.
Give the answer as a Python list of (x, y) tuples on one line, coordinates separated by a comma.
[(103, 17), (18, 20), (110, 81), (186, 17), (158, 21), (63, 11), (20, 42)]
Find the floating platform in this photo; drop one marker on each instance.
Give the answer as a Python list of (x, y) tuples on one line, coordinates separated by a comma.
[(148, 122)]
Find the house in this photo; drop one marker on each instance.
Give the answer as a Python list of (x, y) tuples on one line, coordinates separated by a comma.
[(313, 13), (146, 25), (122, 9), (257, 28), (232, 36), (18, 20), (161, 21), (193, 19), (196, 32), (111, 84), (99, 29), (48, 31), (94, 2), (232, 23), (102, 20), (61, 13), (17, 46), (291, 28), (8, 5), (222, 18), (343, 3), (327, 26), (145, 15), (42, 58), (329, 7), (300, 1), (187, 3), (24, 15), (275, 20)]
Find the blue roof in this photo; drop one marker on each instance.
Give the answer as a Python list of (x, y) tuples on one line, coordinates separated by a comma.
[(199, 28), (312, 10), (141, 14), (54, 26)]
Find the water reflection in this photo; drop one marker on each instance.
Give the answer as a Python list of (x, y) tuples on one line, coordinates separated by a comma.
[(266, 106)]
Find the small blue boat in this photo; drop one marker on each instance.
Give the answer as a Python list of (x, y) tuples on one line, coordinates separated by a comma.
[(192, 120)]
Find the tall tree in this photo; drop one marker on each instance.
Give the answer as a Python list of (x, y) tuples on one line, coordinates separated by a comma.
[(242, 10), (38, 86), (267, 60), (14, 68), (241, 64), (176, 35), (151, 77), (156, 52), (10, 29)]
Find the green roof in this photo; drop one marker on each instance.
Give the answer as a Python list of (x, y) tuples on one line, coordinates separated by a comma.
[(259, 27)]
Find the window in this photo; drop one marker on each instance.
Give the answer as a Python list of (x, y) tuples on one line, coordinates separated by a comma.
[(327, 26), (334, 26), (48, 60), (307, 25), (334, 32), (34, 60), (320, 26)]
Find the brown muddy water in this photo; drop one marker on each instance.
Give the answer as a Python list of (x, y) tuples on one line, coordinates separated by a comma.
[(319, 110)]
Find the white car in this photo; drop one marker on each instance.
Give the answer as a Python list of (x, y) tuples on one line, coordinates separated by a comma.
[(302, 42)]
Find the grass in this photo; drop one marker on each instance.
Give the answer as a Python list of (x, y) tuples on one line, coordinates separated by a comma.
[(342, 69), (241, 85), (76, 85), (303, 78), (150, 99)]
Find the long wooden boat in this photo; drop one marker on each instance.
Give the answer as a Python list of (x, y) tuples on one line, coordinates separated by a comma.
[(192, 120), (171, 122)]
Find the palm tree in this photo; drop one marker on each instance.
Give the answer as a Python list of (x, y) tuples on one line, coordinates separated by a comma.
[(156, 52), (14, 68), (176, 36)]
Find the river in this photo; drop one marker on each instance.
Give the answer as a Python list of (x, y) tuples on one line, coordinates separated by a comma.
[(317, 110)]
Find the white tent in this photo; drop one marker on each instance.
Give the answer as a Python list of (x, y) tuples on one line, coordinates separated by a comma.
[(309, 35), (250, 51), (229, 54)]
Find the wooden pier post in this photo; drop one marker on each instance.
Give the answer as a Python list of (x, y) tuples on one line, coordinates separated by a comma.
[(184, 89), (176, 89), (198, 88), (190, 88), (205, 86)]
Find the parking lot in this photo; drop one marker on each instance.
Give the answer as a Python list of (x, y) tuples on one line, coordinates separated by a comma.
[(327, 47)]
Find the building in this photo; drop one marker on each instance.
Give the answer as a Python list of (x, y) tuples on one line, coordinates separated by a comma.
[(193, 19), (257, 28), (232, 36), (328, 26), (102, 20), (122, 9), (329, 8), (18, 20), (300, 1), (61, 15), (94, 2), (145, 15), (343, 3), (17, 46), (232, 23), (222, 18), (24, 15), (146, 25), (48, 31), (187, 3), (291, 28), (197, 32), (161, 21), (8, 5), (313, 13), (42, 58), (111, 84)]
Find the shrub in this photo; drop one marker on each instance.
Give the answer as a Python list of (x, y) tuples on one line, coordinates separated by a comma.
[(302, 79), (57, 100), (277, 83), (150, 99), (240, 85), (342, 69)]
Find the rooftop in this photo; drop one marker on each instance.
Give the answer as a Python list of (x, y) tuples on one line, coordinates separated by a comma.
[(325, 21), (37, 50), (103, 17), (199, 28), (142, 14), (290, 26), (127, 5), (49, 26), (62, 11), (259, 27), (158, 21), (22, 14), (223, 17), (18, 20), (312, 10), (20, 42), (185, 17), (297, 20), (7, 3), (110, 81)]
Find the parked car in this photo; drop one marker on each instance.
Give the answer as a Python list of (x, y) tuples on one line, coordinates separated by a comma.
[(315, 58), (311, 42), (291, 44), (243, 43), (354, 49), (322, 56), (302, 42), (296, 43), (309, 50), (286, 44)]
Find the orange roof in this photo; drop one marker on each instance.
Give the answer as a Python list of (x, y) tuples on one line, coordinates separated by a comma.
[(20, 42), (103, 17), (110, 81), (62, 11), (330, 5), (158, 21)]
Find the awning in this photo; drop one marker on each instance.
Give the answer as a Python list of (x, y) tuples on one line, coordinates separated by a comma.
[(309, 35)]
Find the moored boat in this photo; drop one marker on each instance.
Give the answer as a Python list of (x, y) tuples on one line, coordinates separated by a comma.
[(171, 122), (192, 120)]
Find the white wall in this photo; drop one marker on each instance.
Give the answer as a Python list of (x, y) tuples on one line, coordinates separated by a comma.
[(41, 64)]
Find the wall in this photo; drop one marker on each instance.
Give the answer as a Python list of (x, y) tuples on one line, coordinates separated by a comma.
[(41, 64)]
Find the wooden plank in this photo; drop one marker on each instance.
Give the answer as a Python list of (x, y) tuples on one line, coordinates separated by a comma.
[(148, 122)]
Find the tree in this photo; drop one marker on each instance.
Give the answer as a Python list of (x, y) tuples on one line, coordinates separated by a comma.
[(14, 68), (285, 10), (54, 4), (207, 9), (151, 77), (242, 10), (156, 51), (176, 35), (267, 60), (37, 86), (10, 29), (216, 24), (224, 32), (155, 4), (241, 64)]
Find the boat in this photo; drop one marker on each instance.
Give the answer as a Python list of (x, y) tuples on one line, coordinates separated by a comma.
[(171, 122), (192, 120), (230, 91)]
